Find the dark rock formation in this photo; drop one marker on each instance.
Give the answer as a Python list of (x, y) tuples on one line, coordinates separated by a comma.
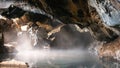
[(45, 15), (3, 49), (77, 12), (69, 37)]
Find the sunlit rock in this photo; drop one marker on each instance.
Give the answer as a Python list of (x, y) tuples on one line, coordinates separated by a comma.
[(110, 49), (13, 64)]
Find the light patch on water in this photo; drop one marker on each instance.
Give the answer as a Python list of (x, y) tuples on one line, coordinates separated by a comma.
[(51, 57)]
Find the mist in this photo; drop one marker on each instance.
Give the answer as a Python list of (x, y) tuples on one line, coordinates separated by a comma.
[(70, 47)]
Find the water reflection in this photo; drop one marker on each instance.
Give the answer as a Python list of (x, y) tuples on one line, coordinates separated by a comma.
[(46, 58), (59, 59)]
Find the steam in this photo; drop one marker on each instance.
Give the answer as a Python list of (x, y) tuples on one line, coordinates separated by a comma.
[(24, 42), (69, 38), (27, 39), (45, 57), (69, 45), (53, 57)]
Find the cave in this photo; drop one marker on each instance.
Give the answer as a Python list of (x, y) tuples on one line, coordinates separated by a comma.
[(59, 34)]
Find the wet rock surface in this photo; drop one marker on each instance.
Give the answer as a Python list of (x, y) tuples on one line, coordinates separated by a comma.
[(110, 49)]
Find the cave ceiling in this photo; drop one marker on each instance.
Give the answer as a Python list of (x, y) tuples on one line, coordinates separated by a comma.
[(98, 16)]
